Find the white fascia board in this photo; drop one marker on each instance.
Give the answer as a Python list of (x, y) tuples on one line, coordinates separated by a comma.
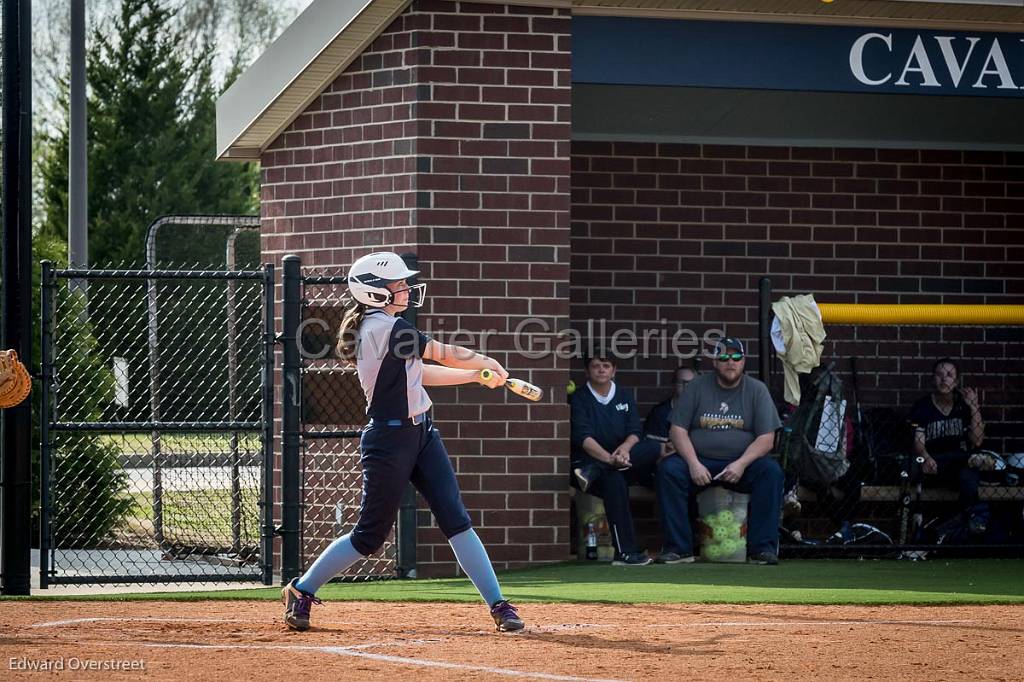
[(287, 57), (997, 3)]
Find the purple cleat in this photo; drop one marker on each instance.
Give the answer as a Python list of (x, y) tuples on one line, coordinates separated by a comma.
[(297, 604), (506, 617)]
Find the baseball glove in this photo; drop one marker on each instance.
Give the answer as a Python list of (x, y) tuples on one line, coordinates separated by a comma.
[(15, 382)]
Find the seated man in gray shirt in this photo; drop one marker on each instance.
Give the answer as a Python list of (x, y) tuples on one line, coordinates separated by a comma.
[(723, 425)]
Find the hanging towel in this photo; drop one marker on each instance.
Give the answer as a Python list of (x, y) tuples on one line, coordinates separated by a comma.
[(799, 321)]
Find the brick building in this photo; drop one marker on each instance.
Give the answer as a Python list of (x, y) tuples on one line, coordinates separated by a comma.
[(645, 164)]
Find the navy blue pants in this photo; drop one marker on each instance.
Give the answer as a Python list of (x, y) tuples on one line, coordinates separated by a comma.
[(612, 486), (762, 480), (391, 457), (954, 473)]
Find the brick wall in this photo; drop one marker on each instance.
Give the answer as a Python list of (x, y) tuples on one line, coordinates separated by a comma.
[(494, 242), (684, 232), (449, 137), (339, 182)]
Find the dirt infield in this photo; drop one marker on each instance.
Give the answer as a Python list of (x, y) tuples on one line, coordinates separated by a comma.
[(378, 641)]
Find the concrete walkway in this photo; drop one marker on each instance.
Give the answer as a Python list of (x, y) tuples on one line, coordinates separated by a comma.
[(143, 562)]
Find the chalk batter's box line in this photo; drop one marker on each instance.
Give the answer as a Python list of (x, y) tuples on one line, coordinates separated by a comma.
[(356, 650), (353, 651), (541, 628)]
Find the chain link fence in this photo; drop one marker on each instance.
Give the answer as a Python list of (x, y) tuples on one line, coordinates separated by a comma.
[(907, 442), (333, 413), (156, 425), (157, 460)]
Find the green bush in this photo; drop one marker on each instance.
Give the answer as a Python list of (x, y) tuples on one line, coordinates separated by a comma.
[(89, 491), (88, 485)]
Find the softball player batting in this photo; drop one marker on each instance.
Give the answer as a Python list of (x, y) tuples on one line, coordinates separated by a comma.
[(400, 443)]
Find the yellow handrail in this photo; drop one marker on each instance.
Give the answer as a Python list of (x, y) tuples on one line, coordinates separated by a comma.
[(913, 313)]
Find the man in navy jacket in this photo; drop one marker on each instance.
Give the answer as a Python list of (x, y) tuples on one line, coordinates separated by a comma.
[(608, 454)]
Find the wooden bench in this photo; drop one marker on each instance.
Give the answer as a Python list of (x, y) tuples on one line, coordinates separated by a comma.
[(892, 493), (648, 529), (876, 493), (585, 506)]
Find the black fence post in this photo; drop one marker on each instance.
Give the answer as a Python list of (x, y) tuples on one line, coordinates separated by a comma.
[(290, 414), (406, 530), (406, 564), (267, 416), (48, 282), (16, 332), (764, 330)]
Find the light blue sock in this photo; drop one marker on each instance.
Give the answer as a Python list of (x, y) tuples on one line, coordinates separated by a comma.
[(335, 559), (477, 565)]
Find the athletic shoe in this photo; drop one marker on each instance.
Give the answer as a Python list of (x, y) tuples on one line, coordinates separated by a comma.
[(791, 504), (674, 558), (506, 617), (585, 476), (297, 604), (632, 559), (764, 559)]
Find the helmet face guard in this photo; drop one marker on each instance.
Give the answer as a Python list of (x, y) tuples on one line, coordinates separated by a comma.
[(417, 293)]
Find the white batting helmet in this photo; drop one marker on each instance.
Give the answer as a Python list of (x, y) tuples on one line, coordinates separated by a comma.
[(369, 276)]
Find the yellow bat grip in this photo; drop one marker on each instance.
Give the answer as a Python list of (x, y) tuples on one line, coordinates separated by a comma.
[(486, 374)]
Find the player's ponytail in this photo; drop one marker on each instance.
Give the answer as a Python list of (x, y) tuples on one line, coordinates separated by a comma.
[(348, 333)]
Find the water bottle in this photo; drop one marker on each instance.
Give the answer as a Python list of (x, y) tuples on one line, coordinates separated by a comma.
[(591, 542)]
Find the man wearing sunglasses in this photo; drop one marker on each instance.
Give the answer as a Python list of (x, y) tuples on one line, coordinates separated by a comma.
[(723, 425)]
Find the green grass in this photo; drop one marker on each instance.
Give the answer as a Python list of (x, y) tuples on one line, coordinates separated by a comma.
[(140, 443), (205, 513), (981, 581)]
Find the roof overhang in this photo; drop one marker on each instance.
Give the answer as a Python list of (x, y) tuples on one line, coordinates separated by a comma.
[(294, 70), (330, 34), (963, 15)]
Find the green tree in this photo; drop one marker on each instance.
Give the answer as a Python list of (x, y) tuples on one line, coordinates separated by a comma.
[(43, 248), (87, 483), (151, 119), (89, 487)]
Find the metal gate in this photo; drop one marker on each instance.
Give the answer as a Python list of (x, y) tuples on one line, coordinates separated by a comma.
[(156, 426), (328, 413)]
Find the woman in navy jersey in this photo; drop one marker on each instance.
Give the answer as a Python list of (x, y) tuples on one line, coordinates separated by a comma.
[(947, 428), (400, 444)]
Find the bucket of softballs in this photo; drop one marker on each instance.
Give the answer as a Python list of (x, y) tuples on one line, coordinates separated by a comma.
[(722, 525)]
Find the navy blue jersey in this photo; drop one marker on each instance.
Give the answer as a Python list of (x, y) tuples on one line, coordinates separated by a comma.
[(943, 433), (388, 359), (607, 424), (658, 424)]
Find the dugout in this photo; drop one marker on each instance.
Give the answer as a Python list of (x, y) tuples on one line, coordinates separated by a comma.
[(637, 162), (711, 154)]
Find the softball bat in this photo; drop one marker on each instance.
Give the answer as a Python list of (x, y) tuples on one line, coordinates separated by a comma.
[(518, 386)]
